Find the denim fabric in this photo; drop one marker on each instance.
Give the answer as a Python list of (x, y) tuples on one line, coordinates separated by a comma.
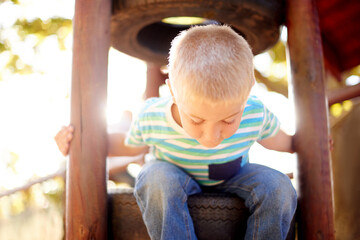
[(162, 190)]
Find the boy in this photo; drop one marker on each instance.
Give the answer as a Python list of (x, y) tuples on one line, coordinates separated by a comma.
[(200, 138)]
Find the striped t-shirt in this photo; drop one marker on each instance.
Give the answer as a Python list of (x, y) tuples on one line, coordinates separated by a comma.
[(156, 128)]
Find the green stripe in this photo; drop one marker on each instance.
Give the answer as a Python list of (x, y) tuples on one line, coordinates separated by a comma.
[(251, 111), (197, 171), (239, 139), (151, 118), (189, 141), (159, 131), (251, 124)]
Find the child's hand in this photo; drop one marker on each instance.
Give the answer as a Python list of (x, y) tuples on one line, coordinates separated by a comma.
[(63, 139)]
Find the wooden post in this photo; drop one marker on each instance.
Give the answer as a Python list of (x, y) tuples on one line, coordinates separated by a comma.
[(86, 198), (312, 130), (154, 79)]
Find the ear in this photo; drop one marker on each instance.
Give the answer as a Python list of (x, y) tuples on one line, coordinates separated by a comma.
[(167, 81)]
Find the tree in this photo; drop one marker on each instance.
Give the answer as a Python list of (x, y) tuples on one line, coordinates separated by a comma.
[(32, 32)]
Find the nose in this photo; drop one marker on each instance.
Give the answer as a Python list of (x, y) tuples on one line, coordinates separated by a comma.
[(211, 136)]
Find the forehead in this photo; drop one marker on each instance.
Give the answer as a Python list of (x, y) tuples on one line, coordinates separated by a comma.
[(210, 111)]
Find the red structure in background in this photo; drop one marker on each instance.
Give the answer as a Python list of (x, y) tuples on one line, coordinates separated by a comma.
[(340, 32)]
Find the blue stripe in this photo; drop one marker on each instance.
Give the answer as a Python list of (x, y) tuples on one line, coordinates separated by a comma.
[(251, 120), (153, 114)]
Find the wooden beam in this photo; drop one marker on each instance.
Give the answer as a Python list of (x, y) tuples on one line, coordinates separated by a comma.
[(312, 128), (58, 173), (86, 196), (342, 94)]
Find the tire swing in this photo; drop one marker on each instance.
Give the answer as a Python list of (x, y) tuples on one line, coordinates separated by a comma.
[(144, 29)]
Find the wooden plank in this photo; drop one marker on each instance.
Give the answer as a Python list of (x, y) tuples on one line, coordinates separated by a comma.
[(312, 130), (86, 196)]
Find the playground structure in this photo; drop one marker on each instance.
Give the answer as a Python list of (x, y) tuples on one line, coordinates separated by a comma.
[(133, 27)]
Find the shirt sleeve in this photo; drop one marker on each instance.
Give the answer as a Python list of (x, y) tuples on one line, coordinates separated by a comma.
[(271, 125), (134, 136)]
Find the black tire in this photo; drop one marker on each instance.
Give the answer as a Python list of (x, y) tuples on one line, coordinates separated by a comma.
[(218, 216), (125, 220), (215, 216), (137, 30)]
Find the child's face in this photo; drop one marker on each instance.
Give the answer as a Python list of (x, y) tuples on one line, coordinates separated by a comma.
[(209, 124)]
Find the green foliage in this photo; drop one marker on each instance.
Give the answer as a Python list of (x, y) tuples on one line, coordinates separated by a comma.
[(13, 1), (11, 163), (16, 65), (355, 71), (3, 46), (41, 29), (60, 27), (38, 195), (54, 189), (278, 52), (274, 77)]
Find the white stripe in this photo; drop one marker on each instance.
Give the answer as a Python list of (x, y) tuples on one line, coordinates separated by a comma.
[(154, 109), (160, 137), (253, 115), (248, 129), (154, 122)]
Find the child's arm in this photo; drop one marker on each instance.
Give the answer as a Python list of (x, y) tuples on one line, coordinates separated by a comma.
[(285, 143), (117, 146), (280, 142), (116, 143)]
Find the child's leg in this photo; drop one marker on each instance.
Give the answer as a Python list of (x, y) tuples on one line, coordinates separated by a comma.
[(161, 191), (270, 197)]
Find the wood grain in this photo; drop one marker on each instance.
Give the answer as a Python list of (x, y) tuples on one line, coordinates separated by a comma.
[(86, 196), (312, 132)]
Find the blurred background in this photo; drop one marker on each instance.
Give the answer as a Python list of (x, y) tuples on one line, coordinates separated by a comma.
[(35, 81)]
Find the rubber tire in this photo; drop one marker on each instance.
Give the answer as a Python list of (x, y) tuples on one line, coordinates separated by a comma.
[(137, 30), (216, 216)]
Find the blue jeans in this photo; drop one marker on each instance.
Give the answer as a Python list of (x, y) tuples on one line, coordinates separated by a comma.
[(162, 190)]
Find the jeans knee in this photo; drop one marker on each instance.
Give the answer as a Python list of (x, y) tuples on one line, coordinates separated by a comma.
[(285, 194), (283, 191), (152, 176), (160, 179)]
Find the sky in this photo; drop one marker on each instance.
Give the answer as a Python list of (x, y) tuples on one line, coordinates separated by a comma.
[(34, 107)]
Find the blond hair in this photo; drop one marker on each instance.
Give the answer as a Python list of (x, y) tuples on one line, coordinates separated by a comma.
[(212, 63)]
